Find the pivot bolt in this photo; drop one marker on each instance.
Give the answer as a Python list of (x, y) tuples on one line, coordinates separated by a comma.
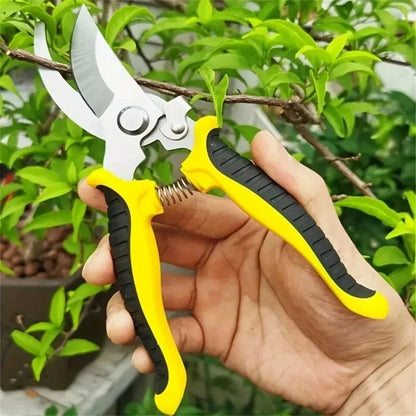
[(133, 120)]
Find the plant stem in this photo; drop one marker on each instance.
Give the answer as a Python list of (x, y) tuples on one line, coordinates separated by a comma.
[(363, 187), (139, 49), (68, 335)]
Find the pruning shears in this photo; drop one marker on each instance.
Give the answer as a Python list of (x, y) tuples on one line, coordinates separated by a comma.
[(112, 106)]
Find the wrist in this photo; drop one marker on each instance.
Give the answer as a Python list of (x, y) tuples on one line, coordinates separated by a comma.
[(389, 390)]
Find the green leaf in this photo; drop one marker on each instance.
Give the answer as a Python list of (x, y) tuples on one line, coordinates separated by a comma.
[(401, 229), (227, 61), (387, 20), (39, 175), (412, 302), (57, 308), (293, 34), (316, 56), (411, 199), (220, 91), (42, 15), (72, 411), (77, 215), (389, 255), (360, 107), (349, 56), (85, 291), (127, 44), (163, 171), (75, 310), (337, 44), (74, 130), (5, 269), (284, 78), (407, 51), (174, 23), (26, 342), (38, 363), (16, 204), (39, 326), (205, 11), (402, 276), (335, 119), (51, 410), (62, 8), (47, 339), (371, 206), (20, 153), (123, 17), (217, 92), (53, 191), (7, 83), (247, 131), (320, 89), (369, 31), (49, 219), (77, 346), (346, 68)]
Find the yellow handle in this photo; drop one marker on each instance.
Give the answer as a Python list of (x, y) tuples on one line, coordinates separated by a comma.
[(131, 207), (211, 164)]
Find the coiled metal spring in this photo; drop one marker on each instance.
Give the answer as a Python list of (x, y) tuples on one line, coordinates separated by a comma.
[(175, 192)]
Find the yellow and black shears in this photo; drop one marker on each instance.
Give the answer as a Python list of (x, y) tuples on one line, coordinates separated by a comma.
[(113, 107)]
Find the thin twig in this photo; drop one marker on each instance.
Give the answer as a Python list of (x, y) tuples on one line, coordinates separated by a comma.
[(394, 61), (301, 114), (139, 49), (336, 198), (46, 125), (85, 312), (362, 186), (354, 158)]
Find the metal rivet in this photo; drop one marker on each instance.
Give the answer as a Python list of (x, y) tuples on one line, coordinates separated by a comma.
[(177, 128)]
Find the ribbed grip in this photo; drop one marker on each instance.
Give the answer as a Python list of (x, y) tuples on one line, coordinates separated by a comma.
[(119, 226), (243, 171)]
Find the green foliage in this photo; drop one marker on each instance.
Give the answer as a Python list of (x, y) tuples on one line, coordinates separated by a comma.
[(55, 338), (217, 91), (396, 262), (53, 411)]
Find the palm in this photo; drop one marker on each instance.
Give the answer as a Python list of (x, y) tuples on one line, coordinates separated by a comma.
[(266, 314)]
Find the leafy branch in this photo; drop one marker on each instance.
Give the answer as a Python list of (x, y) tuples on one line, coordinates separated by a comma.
[(55, 341), (292, 109)]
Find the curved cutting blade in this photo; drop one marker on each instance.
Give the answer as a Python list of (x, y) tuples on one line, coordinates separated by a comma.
[(100, 76), (65, 97)]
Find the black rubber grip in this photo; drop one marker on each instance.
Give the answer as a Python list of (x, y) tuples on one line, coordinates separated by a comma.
[(243, 171), (119, 225)]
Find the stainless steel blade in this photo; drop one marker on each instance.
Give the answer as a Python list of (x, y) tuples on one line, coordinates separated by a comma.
[(65, 97), (99, 74)]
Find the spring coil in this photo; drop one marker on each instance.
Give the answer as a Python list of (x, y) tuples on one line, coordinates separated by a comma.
[(175, 192)]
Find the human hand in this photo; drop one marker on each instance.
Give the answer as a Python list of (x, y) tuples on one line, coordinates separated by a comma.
[(254, 301)]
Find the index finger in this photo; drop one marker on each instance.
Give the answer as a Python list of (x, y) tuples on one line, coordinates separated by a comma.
[(207, 215)]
